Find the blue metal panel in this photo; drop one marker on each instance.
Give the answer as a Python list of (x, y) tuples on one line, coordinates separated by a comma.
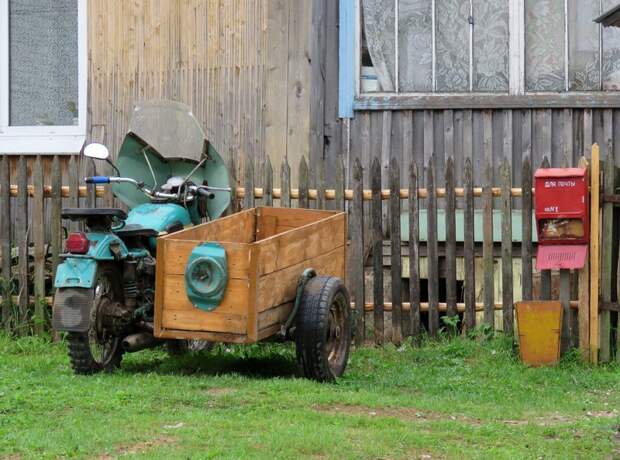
[(76, 272), (158, 217), (347, 60)]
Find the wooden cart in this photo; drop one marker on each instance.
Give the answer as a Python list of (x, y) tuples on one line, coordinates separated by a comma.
[(267, 250)]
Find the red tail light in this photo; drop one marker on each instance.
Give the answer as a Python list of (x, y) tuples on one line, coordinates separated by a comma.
[(77, 243)]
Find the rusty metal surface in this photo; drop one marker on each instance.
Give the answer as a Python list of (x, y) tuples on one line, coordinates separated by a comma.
[(539, 324)]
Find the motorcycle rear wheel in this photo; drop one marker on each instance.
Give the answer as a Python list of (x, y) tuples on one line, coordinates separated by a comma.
[(95, 351)]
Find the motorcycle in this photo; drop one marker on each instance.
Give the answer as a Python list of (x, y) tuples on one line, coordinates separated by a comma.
[(170, 177)]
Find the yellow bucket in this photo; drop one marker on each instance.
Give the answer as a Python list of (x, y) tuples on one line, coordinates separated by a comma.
[(539, 324)]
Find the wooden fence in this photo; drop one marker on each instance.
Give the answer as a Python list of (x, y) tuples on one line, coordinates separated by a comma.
[(411, 269)]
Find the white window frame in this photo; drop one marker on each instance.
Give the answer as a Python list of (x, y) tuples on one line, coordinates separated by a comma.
[(516, 62), (43, 139)]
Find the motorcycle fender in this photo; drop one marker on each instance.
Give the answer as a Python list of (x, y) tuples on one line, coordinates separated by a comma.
[(76, 272), (71, 311)]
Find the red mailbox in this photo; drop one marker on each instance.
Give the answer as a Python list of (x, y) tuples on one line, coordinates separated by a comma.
[(562, 217)]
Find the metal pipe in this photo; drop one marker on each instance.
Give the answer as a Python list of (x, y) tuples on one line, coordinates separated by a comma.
[(139, 341)]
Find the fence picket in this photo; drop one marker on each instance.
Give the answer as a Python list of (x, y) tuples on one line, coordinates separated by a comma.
[(5, 237), (487, 249), (303, 184), (469, 247), (450, 216), (545, 275), (74, 190), (339, 191), (377, 249), (320, 185), (38, 236), (507, 288), (21, 237), (248, 183), (268, 184), (356, 254), (414, 251), (395, 263), (527, 250), (285, 179), (55, 214), (607, 269), (432, 251)]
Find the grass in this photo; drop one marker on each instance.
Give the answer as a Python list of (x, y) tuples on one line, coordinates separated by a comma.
[(453, 399)]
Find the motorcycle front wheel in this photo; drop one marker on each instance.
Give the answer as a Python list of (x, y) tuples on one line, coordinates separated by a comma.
[(96, 350)]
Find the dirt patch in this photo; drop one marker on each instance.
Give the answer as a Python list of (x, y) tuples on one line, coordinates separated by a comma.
[(138, 448), (559, 419), (402, 413)]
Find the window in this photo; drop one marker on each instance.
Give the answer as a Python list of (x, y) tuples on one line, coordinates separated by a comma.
[(486, 46), (42, 76)]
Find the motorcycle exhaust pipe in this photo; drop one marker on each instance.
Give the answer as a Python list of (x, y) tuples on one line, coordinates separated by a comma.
[(139, 341)]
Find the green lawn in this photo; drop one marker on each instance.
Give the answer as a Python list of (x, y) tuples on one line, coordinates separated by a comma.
[(444, 400)]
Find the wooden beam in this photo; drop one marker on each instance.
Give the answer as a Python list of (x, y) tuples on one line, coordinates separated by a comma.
[(594, 253)]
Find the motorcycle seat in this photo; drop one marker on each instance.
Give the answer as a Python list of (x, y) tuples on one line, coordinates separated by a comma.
[(135, 230), (85, 213)]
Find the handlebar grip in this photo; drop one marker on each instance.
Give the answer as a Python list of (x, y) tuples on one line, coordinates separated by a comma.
[(205, 193), (97, 180)]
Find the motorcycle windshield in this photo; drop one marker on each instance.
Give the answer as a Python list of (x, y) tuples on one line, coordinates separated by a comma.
[(178, 134), (170, 128)]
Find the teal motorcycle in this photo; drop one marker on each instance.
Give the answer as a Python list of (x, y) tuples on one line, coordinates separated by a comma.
[(170, 177)]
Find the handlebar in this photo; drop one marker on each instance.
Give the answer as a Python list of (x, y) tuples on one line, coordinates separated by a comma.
[(203, 190)]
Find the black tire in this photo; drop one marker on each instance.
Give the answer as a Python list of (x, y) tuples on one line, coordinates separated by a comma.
[(323, 329), (84, 353)]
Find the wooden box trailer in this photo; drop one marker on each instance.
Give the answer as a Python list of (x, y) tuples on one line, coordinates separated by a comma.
[(267, 250)]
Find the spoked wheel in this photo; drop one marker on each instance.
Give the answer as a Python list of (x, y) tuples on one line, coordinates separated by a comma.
[(323, 331), (97, 350)]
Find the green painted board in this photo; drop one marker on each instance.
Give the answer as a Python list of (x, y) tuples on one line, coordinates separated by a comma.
[(441, 226)]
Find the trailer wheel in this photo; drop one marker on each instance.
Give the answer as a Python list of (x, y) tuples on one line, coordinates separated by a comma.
[(323, 329)]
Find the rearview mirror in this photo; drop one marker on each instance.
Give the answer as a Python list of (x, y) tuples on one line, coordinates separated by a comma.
[(96, 151)]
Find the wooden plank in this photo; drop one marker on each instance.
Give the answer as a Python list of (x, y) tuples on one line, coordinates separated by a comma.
[(545, 275), (274, 316), (377, 249), (21, 237), (469, 248), (339, 184), (607, 256), (507, 288), (356, 253), (248, 181), (584, 311), (252, 328), (450, 213), (303, 183), (395, 259), (5, 234), (38, 236), (198, 320), (414, 251), (594, 253), (268, 184), (178, 252), (55, 213), (294, 218), (266, 226), (487, 230), (527, 252), (74, 193), (218, 337), (565, 334), (432, 259), (236, 228), (235, 300), (285, 199), (386, 153), (281, 286)]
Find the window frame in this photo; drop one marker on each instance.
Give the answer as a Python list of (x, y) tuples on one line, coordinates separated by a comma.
[(43, 139), (515, 97)]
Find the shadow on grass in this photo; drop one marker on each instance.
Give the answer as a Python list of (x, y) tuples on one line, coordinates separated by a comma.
[(264, 366)]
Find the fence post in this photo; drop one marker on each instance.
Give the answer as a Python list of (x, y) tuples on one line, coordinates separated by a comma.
[(377, 249), (248, 182), (526, 225), (607, 269), (450, 216), (5, 237), (356, 254), (545, 275), (55, 214), (469, 248), (414, 251), (507, 290), (432, 251), (303, 184), (285, 180), (395, 265), (594, 253), (268, 184), (584, 300), (38, 235), (21, 232)]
